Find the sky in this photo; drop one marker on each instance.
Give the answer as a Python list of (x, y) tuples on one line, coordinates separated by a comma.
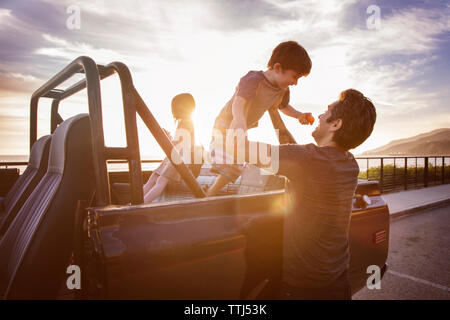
[(394, 52)]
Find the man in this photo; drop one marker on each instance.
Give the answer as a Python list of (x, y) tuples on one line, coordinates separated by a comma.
[(321, 183)]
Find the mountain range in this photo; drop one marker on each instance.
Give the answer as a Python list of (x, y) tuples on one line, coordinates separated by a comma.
[(436, 142)]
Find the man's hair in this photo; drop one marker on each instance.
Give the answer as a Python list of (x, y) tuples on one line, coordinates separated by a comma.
[(291, 55), (358, 117)]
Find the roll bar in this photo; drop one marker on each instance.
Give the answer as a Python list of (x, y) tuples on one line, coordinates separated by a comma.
[(132, 103)]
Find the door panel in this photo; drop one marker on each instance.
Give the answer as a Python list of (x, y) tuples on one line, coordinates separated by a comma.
[(215, 248)]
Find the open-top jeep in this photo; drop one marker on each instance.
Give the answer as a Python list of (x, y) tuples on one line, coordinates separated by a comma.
[(67, 209)]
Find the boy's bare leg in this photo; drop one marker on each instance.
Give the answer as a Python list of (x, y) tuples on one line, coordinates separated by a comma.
[(157, 189), (218, 184)]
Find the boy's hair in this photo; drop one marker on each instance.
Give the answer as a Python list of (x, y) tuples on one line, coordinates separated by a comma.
[(358, 118), (183, 105), (291, 55)]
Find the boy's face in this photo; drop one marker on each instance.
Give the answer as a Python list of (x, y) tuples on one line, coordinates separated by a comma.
[(286, 78)]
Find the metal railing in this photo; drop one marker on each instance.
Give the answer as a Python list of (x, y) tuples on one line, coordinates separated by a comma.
[(397, 173), (394, 173)]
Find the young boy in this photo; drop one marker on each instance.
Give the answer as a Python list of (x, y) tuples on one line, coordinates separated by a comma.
[(255, 94)]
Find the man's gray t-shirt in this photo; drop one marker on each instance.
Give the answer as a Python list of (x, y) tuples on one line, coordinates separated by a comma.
[(320, 187)]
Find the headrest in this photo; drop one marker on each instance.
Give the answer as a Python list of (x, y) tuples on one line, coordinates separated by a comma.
[(72, 128), (37, 151)]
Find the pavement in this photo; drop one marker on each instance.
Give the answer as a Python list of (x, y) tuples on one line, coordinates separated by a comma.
[(418, 259), (406, 202)]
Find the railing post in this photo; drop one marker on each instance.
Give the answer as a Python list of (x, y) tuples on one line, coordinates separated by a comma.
[(406, 173), (416, 174), (443, 170), (435, 169), (425, 173), (367, 169), (395, 181), (381, 175)]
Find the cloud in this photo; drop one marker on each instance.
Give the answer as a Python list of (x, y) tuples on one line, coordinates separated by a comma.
[(406, 32), (12, 83), (68, 51), (239, 16), (205, 46), (393, 63), (21, 27), (387, 61)]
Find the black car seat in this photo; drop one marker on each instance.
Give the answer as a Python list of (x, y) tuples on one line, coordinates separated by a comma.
[(37, 166), (35, 249)]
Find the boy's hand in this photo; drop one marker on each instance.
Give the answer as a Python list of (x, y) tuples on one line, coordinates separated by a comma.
[(306, 118)]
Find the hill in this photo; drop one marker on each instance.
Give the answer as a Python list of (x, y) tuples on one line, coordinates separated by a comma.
[(436, 142)]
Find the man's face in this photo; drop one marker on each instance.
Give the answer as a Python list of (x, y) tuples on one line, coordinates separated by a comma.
[(323, 128)]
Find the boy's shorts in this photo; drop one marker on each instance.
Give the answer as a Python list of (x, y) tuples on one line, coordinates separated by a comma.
[(220, 165)]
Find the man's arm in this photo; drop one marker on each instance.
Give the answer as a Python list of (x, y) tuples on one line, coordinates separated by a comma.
[(261, 154), (283, 160)]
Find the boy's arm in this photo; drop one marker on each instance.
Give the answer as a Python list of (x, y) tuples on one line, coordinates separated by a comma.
[(238, 125), (303, 117), (291, 111), (238, 109)]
